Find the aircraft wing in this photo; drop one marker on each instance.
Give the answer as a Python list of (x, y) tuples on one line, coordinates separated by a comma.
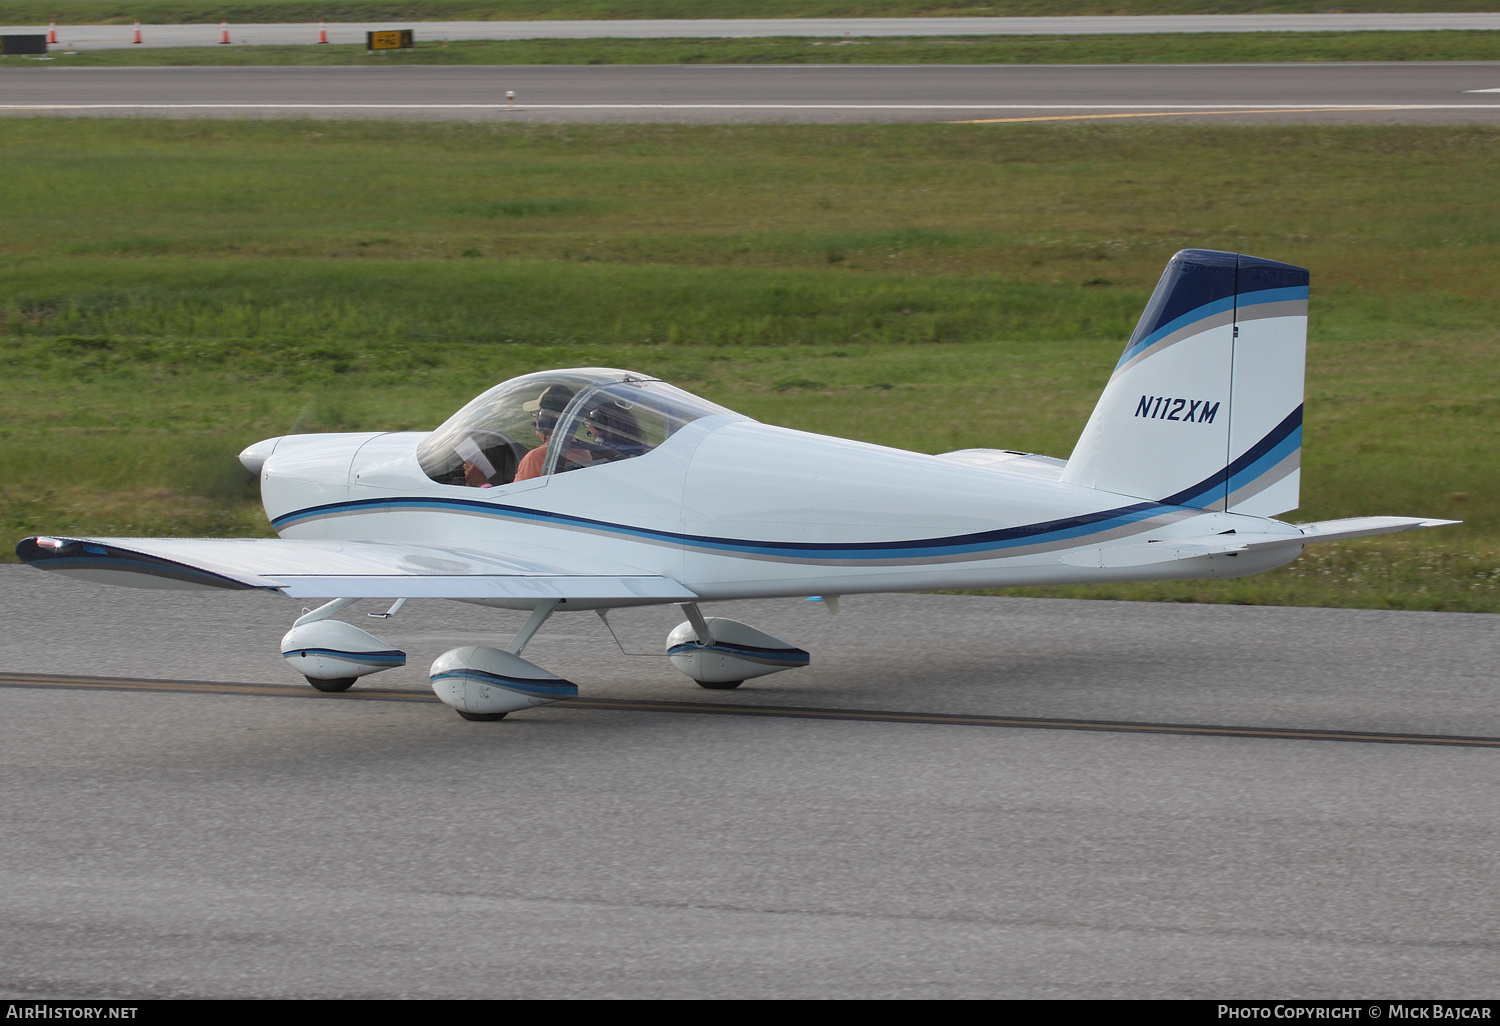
[(313, 568)]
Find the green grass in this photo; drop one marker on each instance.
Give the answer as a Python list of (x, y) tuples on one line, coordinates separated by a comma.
[(171, 291), (1186, 48), (103, 12)]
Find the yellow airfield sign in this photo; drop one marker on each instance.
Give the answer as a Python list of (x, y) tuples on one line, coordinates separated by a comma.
[(394, 40)]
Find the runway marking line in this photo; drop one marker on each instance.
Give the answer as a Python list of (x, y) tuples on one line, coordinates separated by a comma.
[(44, 680), (1180, 114)]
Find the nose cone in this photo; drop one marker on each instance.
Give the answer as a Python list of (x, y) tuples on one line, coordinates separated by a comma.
[(255, 456)]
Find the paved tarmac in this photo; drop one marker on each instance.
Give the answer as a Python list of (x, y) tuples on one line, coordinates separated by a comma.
[(157, 843), (1406, 92), (93, 37)]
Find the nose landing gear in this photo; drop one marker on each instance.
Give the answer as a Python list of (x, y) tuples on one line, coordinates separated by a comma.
[(332, 654)]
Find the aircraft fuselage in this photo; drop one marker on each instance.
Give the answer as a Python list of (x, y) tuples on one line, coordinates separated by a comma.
[(731, 507)]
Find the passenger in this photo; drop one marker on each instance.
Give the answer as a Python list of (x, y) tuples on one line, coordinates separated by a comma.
[(546, 409), (616, 433)]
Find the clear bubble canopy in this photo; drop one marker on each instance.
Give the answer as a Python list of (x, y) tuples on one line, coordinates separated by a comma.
[(552, 422)]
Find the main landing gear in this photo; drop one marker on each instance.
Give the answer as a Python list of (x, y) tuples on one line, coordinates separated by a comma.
[(721, 654), (487, 684)]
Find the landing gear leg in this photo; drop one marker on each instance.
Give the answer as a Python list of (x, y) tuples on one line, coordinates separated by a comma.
[(700, 625), (526, 633)]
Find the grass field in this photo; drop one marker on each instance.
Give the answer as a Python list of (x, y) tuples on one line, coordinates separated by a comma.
[(1186, 48), (104, 12), (170, 291)]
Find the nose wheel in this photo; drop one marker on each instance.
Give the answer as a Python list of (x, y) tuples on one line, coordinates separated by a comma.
[(719, 685)]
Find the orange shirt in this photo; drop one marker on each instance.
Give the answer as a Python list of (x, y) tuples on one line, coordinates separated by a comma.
[(531, 464)]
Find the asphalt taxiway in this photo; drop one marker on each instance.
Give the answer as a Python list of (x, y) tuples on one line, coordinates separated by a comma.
[(962, 796), (1453, 92)]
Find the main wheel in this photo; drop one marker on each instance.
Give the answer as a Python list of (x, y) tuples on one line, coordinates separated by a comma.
[(480, 717), (339, 684), (720, 685)]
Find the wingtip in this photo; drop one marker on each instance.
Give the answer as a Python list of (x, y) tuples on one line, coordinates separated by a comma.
[(39, 546)]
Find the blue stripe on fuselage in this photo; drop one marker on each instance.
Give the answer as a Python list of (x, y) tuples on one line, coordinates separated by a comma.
[(1285, 438), (916, 550)]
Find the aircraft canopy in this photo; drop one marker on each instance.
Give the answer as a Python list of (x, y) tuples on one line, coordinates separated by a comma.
[(589, 416)]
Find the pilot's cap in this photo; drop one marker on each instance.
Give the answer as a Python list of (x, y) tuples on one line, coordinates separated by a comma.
[(553, 397)]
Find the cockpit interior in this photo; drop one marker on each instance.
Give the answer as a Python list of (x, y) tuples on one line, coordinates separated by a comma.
[(554, 422)]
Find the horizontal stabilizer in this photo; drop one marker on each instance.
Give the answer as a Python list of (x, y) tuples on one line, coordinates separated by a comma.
[(1365, 527), (314, 568), (1171, 550)]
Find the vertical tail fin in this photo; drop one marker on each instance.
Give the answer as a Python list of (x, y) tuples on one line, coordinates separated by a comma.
[(1205, 406)]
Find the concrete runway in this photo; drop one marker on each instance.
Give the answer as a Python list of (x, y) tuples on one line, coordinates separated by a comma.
[(157, 843), (1324, 93), (95, 37)]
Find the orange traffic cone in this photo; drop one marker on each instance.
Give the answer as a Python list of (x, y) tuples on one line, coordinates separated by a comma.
[(137, 38), (52, 32), (224, 31), (322, 31)]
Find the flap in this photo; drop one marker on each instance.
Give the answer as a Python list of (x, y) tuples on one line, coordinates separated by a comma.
[(314, 568)]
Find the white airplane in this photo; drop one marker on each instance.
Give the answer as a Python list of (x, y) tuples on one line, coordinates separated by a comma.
[(594, 489)]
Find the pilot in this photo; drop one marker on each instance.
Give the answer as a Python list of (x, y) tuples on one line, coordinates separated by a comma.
[(546, 409), (475, 476), (478, 470)]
